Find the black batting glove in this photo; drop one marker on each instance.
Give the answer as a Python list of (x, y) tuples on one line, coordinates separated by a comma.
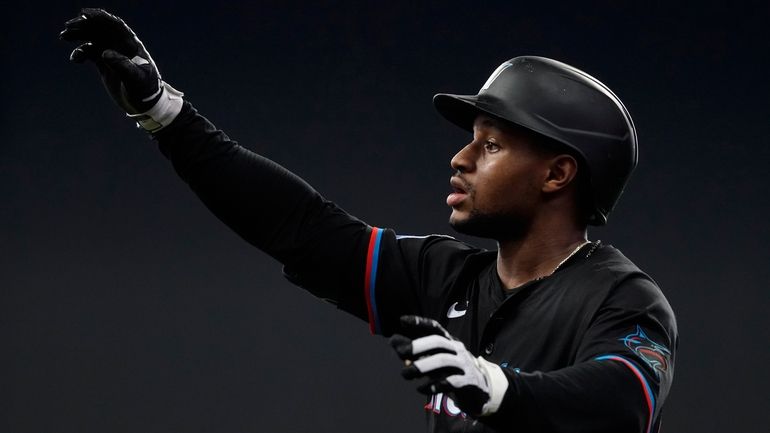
[(127, 70), (476, 385)]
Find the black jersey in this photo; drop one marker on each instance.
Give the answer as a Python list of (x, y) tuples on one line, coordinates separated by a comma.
[(589, 348)]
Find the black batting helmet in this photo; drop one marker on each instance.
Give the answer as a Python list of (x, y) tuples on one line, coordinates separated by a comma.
[(564, 104)]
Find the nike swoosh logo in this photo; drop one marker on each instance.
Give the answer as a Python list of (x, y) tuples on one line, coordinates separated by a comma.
[(454, 313)]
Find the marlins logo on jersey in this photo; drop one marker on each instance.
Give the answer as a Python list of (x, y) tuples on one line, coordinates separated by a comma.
[(652, 353)]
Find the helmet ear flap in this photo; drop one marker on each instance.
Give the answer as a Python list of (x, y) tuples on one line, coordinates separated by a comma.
[(567, 106), (589, 213)]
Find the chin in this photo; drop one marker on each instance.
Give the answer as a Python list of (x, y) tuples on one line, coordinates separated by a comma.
[(457, 217), (486, 225)]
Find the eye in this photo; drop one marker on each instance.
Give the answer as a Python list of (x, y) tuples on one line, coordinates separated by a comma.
[(491, 147)]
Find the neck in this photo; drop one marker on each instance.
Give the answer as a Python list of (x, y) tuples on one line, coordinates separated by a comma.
[(536, 255)]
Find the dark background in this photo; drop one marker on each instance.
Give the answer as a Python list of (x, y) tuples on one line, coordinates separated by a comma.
[(125, 306)]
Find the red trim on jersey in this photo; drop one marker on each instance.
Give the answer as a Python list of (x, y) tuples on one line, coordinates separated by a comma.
[(368, 279), (645, 386)]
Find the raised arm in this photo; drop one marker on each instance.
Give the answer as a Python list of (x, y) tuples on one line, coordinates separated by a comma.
[(322, 247)]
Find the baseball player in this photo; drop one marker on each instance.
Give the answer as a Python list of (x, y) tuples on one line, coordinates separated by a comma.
[(551, 332)]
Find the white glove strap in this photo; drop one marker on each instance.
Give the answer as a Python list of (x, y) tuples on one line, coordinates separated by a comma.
[(163, 112), (497, 383)]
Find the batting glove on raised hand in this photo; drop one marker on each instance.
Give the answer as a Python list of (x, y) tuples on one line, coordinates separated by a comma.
[(127, 70), (476, 385)]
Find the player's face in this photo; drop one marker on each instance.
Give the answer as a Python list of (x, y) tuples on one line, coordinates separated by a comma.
[(497, 181)]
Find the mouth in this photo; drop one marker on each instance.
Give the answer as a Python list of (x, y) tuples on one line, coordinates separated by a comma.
[(459, 192)]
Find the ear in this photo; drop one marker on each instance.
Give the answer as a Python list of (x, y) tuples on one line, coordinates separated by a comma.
[(562, 171)]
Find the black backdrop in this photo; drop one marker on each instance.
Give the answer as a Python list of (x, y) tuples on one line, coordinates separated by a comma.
[(126, 306)]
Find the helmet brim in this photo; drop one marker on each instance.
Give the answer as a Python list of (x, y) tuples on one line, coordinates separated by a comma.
[(461, 110)]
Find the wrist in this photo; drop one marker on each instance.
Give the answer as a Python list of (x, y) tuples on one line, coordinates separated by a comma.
[(497, 384), (163, 112)]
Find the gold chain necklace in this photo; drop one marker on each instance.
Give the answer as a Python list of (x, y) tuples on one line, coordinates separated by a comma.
[(593, 248), (572, 254)]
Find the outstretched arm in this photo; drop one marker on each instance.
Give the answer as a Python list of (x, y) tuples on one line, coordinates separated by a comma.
[(321, 246), (267, 205)]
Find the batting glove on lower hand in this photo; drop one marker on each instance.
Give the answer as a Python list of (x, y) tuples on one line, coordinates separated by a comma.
[(127, 70), (476, 385)]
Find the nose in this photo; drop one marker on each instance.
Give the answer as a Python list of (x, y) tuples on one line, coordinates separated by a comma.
[(463, 160)]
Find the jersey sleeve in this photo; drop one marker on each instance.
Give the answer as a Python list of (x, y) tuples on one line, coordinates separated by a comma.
[(409, 275), (369, 272), (621, 377)]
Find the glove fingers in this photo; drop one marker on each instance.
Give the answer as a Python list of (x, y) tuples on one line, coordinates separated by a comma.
[(413, 372), (102, 28), (402, 346), (87, 51), (416, 327), (421, 347), (73, 29), (435, 362), (75, 22), (82, 27), (433, 344), (434, 386)]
